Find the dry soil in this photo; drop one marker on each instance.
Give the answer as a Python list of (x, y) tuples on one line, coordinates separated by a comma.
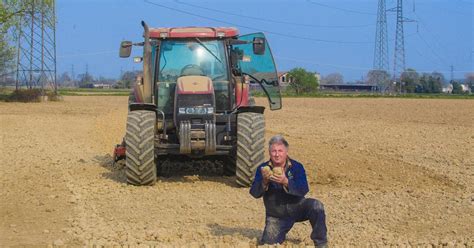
[(389, 172)]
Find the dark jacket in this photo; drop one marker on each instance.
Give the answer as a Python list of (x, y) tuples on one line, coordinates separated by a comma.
[(278, 199)]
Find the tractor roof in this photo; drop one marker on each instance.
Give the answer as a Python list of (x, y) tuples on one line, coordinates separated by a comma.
[(191, 32)]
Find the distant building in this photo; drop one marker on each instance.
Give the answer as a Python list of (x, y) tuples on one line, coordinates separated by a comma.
[(102, 86), (448, 89), (284, 79), (465, 88), (349, 87)]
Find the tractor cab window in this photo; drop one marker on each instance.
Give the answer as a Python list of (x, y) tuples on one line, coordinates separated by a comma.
[(261, 67), (179, 58)]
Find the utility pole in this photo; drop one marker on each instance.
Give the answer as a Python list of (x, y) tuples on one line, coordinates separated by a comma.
[(452, 73), (399, 54), (36, 47), (73, 76), (381, 41)]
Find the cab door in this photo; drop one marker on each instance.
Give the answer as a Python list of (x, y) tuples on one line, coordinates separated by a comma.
[(261, 67)]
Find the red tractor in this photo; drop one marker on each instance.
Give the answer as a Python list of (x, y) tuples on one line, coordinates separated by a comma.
[(193, 100)]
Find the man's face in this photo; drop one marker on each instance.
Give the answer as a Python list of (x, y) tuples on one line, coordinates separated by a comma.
[(278, 154)]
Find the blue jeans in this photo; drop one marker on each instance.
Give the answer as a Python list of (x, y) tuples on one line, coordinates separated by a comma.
[(276, 228)]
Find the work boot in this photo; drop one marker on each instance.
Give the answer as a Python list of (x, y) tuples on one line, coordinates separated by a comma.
[(325, 245)]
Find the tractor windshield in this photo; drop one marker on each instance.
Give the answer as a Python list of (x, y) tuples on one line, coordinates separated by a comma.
[(191, 57)]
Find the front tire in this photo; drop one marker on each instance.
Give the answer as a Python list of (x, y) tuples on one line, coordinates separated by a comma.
[(250, 146), (140, 152)]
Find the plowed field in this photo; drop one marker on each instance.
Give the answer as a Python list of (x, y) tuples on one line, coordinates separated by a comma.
[(389, 172)]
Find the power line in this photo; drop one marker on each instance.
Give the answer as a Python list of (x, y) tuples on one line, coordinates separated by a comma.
[(323, 64), (342, 9), (85, 54), (432, 50), (427, 59), (272, 20), (255, 29), (346, 66), (436, 38), (460, 12)]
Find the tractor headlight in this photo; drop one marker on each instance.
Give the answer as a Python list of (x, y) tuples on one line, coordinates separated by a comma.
[(190, 111), (196, 110)]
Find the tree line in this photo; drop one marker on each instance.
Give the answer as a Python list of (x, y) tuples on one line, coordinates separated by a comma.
[(410, 81), (87, 80)]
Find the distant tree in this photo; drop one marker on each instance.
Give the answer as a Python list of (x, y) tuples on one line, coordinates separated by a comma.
[(410, 79), (437, 82), (439, 77), (423, 86), (302, 81), (333, 78), (10, 11), (381, 78), (7, 51), (470, 80), (64, 79), (104, 80), (128, 78), (7, 54), (457, 88), (86, 80), (430, 83)]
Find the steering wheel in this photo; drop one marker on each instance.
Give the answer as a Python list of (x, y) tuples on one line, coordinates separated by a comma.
[(219, 77), (192, 69)]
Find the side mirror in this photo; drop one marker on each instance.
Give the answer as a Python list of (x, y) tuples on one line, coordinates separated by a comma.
[(125, 49), (259, 45)]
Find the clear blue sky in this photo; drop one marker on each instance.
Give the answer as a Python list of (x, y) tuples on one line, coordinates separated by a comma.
[(319, 35)]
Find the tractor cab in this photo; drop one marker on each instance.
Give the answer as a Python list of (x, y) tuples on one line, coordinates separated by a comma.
[(220, 54)]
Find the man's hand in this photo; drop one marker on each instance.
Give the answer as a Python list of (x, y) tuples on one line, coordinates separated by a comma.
[(281, 179), (266, 174)]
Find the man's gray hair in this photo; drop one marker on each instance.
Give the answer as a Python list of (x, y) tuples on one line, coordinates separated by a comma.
[(278, 139)]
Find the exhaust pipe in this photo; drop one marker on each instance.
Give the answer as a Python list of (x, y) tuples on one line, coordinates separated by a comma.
[(147, 89)]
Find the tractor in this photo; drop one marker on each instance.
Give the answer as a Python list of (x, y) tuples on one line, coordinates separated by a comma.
[(193, 100)]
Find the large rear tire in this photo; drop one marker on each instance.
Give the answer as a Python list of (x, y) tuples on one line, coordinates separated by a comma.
[(250, 146), (140, 140)]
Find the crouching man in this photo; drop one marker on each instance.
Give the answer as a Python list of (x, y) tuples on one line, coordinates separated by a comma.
[(282, 183)]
